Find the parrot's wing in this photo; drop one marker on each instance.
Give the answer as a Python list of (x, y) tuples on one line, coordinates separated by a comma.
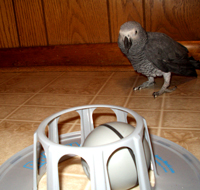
[(168, 55)]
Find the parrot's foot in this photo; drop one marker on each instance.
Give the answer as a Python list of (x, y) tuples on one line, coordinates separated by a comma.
[(144, 85), (162, 91)]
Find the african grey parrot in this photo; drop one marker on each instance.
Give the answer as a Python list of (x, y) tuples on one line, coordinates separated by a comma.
[(155, 54)]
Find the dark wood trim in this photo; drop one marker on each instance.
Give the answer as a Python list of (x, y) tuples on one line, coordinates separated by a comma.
[(85, 55)]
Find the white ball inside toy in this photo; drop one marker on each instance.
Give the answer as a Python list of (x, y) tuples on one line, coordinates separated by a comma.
[(121, 164)]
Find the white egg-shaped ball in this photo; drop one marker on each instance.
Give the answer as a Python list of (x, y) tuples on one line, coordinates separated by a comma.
[(121, 164)]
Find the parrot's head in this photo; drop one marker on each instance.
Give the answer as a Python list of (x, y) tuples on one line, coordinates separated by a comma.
[(131, 34)]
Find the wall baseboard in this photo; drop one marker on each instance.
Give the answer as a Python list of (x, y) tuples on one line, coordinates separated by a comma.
[(83, 57)]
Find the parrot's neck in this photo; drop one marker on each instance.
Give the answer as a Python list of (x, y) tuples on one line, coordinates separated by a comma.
[(138, 46), (136, 50), (136, 57)]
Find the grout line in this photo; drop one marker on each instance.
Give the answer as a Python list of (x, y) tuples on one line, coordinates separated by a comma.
[(184, 128), (138, 109), (101, 88), (30, 98), (10, 78), (34, 105), (21, 120), (131, 91), (161, 115), (183, 111), (73, 125), (91, 101), (183, 97)]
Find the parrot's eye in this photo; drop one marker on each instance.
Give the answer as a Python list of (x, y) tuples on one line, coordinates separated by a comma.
[(136, 32)]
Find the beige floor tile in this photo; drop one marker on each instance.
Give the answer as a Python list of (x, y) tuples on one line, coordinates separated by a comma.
[(119, 86), (110, 100), (175, 103), (41, 74), (180, 114), (36, 113), (75, 85), (103, 115), (152, 117), (75, 128), (6, 76), (70, 117), (71, 175), (25, 84), (189, 139), (183, 92), (5, 110), (71, 166), (186, 86), (131, 74), (15, 99), (182, 81), (67, 182), (106, 115), (147, 91), (15, 136), (148, 103), (73, 182), (60, 100), (87, 74), (180, 119), (68, 127), (153, 131)]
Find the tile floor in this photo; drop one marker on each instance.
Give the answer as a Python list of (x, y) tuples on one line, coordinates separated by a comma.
[(27, 98)]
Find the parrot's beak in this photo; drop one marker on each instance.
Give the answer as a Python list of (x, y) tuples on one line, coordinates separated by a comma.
[(127, 43)]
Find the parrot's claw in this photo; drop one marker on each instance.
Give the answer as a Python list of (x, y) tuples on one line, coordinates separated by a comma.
[(156, 94), (144, 85), (137, 88)]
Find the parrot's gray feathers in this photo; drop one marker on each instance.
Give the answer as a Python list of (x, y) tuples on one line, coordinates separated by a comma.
[(155, 54), (168, 55)]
